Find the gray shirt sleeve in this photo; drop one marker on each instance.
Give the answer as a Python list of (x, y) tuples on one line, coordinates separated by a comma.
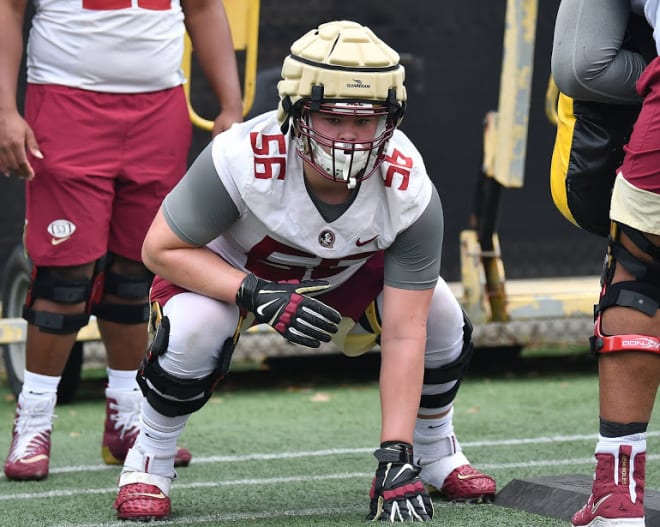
[(587, 60), (199, 209), (413, 260)]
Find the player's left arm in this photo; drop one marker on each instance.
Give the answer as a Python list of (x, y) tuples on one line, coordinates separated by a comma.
[(402, 360), (208, 26), (412, 267)]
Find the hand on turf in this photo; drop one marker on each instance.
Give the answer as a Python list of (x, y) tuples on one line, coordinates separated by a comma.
[(285, 306), (397, 492)]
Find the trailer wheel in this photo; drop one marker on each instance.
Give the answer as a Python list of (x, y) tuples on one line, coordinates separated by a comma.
[(15, 283)]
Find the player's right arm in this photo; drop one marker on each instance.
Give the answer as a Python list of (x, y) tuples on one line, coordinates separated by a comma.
[(200, 209), (188, 265), (15, 134)]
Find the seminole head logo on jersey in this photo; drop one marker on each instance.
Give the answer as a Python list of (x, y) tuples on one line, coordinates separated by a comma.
[(327, 239)]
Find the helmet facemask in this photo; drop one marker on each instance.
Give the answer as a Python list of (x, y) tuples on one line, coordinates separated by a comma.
[(344, 69), (342, 160)]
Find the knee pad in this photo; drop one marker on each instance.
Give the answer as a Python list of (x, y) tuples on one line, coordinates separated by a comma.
[(173, 396), (454, 371), (61, 285), (134, 287), (641, 294)]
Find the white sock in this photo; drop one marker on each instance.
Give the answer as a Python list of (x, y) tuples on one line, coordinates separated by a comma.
[(122, 380), (632, 439), (437, 449), (435, 438), (140, 464), (38, 398), (37, 384), (159, 433)]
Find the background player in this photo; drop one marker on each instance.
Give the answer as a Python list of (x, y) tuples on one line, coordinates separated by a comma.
[(589, 63), (106, 134)]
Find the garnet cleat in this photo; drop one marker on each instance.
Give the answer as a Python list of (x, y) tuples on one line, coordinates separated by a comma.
[(122, 425), (142, 502), (466, 483), (28, 460), (29, 452), (617, 493), (182, 457), (611, 510)]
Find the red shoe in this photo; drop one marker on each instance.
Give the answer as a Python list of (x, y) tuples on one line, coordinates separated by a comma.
[(452, 476), (466, 483), (617, 503), (122, 425), (142, 502), (182, 457), (29, 452)]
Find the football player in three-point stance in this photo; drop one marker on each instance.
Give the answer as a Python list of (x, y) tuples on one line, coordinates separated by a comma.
[(318, 219)]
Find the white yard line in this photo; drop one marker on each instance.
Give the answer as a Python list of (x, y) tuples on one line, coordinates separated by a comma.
[(325, 477), (348, 451)]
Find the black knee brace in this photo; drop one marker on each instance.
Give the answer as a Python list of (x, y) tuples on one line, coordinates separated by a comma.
[(58, 285), (454, 371), (129, 288), (641, 294), (170, 395), (132, 285)]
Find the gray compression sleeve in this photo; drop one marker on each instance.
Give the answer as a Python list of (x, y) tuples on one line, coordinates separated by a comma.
[(413, 260), (587, 60), (199, 208)]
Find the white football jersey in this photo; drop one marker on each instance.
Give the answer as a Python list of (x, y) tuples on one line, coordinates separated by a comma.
[(116, 46), (280, 229)]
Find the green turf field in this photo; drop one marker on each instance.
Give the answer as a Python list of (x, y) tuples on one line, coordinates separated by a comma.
[(292, 447)]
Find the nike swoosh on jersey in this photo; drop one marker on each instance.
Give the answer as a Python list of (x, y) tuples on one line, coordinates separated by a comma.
[(361, 243), (57, 241)]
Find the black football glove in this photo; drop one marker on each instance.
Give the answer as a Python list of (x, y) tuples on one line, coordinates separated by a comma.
[(397, 492), (284, 306)]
